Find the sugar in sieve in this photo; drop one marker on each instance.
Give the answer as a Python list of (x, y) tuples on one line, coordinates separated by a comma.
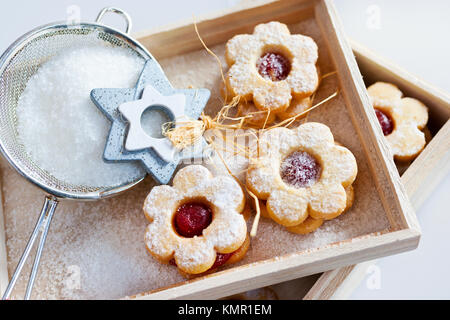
[(20, 61)]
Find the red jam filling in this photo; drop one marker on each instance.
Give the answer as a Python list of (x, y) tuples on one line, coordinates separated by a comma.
[(386, 123), (192, 218), (300, 169), (221, 259), (273, 66)]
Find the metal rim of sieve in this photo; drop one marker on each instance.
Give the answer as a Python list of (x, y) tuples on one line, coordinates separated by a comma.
[(93, 193), (13, 157)]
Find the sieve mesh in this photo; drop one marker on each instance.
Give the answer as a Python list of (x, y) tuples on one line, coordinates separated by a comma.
[(18, 64)]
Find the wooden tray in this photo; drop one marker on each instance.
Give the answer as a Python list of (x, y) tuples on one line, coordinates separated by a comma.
[(381, 221), (419, 179)]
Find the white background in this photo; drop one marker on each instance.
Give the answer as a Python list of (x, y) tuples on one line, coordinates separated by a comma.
[(413, 34)]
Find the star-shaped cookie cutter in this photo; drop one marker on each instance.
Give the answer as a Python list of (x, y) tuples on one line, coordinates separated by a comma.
[(160, 163)]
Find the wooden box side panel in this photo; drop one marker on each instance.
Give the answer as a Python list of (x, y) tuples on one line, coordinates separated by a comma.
[(420, 178), (386, 175), (431, 165), (281, 269), (177, 39)]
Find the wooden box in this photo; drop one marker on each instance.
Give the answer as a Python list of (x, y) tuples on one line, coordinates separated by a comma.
[(381, 221), (419, 179)]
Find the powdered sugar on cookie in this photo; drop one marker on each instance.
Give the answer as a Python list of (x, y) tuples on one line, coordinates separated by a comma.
[(408, 116), (301, 172)]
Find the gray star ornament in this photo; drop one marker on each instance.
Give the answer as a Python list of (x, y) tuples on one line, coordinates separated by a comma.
[(127, 141)]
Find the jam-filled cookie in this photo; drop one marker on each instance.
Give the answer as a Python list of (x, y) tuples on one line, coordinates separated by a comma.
[(196, 224), (271, 66), (401, 119), (301, 172)]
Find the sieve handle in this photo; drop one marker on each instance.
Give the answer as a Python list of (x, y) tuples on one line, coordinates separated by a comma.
[(118, 11), (42, 225)]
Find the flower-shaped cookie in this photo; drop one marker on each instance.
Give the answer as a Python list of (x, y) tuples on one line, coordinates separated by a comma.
[(195, 220), (301, 172), (271, 65), (401, 120)]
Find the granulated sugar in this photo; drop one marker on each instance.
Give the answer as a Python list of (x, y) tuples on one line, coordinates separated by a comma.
[(97, 250), (58, 124)]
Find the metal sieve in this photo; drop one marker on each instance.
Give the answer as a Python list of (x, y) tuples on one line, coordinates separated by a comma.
[(20, 61)]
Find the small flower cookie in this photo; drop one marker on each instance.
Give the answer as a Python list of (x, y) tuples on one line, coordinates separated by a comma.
[(401, 120), (271, 66), (196, 223), (301, 172)]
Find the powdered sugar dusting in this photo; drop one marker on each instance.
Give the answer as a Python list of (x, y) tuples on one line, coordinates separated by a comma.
[(227, 229), (58, 124), (287, 206)]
